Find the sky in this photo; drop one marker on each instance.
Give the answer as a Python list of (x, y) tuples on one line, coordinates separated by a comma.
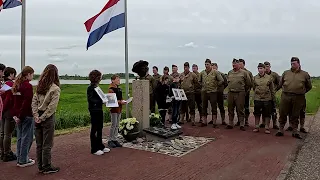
[(166, 32)]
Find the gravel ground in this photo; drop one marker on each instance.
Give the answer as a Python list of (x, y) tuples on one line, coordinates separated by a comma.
[(307, 163)]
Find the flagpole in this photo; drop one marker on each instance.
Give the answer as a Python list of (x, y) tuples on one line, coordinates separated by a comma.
[(23, 34), (126, 56)]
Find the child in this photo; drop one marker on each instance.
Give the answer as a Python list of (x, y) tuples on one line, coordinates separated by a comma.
[(96, 113), (7, 123), (162, 91), (115, 112), (44, 106), (22, 113), (175, 103)]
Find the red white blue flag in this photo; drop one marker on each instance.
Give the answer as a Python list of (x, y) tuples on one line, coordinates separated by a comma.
[(110, 18), (7, 4)]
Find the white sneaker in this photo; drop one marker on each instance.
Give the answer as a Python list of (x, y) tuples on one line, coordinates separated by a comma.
[(178, 126), (99, 153), (174, 127), (31, 162), (106, 150)]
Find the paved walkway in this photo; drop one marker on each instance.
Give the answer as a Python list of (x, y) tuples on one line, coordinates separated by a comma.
[(233, 155), (307, 164)]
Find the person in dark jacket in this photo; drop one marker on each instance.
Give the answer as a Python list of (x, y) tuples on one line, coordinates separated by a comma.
[(162, 91), (175, 103), (96, 114)]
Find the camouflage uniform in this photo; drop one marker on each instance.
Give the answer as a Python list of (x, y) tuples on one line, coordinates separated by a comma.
[(210, 81), (153, 99), (263, 97), (188, 82), (247, 99), (151, 88), (220, 97), (197, 94), (239, 82), (295, 84)]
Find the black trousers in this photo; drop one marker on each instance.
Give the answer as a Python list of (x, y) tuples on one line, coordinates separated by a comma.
[(96, 131), (263, 108)]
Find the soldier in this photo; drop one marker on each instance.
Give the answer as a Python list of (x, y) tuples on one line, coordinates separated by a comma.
[(210, 80), (238, 84), (188, 82), (166, 72), (247, 99), (151, 88), (197, 91), (263, 97), (295, 83), (156, 76), (220, 94), (276, 80), (302, 118)]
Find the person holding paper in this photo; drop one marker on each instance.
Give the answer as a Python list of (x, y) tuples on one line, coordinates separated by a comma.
[(175, 103), (96, 114), (7, 123), (115, 111)]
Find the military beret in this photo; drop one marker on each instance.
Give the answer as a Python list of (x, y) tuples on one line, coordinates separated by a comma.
[(208, 61), (295, 59), (173, 65), (242, 60), (186, 64), (166, 68), (235, 60), (261, 65), (266, 63)]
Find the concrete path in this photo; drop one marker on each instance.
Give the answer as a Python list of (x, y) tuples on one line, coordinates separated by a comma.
[(234, 155)]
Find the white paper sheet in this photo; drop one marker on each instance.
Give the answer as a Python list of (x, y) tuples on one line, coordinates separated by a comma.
[(6, 87)]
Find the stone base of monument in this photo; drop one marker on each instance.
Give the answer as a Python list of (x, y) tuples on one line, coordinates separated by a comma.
[(161, 134)]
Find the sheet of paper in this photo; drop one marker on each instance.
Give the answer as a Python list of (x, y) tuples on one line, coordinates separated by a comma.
[(101, 94), (6, 87), (112, 100), (129, 100)]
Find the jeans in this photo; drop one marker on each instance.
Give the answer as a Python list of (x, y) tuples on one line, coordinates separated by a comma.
[(96, 131), (175, 111), (7, 127), (115, 120), (44, 139), (25, 131)]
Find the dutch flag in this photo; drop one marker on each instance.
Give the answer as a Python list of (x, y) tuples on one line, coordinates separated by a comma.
[(6, 4), (111, 17)]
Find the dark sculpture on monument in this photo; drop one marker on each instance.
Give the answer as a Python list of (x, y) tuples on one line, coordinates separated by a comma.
[(141, 68)]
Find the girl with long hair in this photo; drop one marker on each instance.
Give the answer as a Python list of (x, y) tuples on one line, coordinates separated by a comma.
[(44, 106), (22, 97), (7, 123)]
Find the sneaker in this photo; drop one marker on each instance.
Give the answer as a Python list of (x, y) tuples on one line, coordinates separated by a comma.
[(111, 144), (106, 150), (174, 127), (99, 153), (51, 170), (267, 131), (117, 143), (256, 130), (178, 126), (27, 164)]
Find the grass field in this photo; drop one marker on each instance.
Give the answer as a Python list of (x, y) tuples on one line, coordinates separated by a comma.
[(73, 109)]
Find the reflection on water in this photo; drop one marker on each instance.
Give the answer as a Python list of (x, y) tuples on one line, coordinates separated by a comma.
[(35, 82)]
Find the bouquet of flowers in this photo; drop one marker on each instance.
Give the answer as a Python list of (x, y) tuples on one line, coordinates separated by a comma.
[(128, 126), (155, 119)]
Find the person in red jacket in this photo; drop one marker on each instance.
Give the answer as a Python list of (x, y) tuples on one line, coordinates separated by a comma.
[(7, 123), (22, 114)]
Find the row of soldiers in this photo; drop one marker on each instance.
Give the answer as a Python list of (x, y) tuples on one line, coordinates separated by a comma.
[(209, 86)]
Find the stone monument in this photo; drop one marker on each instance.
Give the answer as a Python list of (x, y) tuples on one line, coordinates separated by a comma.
[(140, 92)]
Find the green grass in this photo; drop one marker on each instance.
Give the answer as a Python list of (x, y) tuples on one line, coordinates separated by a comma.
[(73, 107)]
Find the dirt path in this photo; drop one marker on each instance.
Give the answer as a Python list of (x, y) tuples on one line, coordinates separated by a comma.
[(233, 155)]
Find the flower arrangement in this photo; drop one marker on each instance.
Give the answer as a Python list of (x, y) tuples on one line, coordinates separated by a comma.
[(129, 125), (155, 119)]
